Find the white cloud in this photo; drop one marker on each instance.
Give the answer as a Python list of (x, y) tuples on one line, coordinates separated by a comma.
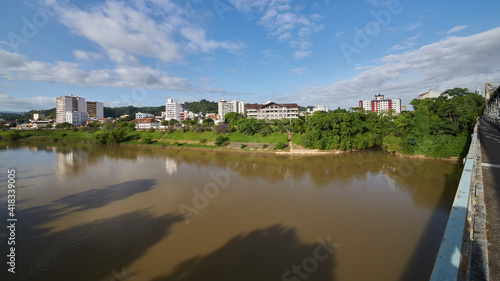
[(451, 62), (457, 29), (284, 21), (83, 55), (17, 67), (300, 70), (9, 103), (300, 54), (214, 90), (413, 25), (125, 31), (408, 43), (198, 42), (338, 35)]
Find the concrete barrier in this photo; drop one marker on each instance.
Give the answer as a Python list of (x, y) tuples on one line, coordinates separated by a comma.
[(463, 253)]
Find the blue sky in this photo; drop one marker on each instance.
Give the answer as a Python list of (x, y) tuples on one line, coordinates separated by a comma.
[(325, 52)]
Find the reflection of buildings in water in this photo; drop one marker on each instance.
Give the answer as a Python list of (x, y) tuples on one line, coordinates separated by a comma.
[(33, 149), (70, 162), (170, 165)]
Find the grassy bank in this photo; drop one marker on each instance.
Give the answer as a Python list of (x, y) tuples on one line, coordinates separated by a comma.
[(136, 137)]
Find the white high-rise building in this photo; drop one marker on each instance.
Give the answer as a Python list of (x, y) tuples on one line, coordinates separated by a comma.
[(396, 105), (233, 106), (75, 106), (172, 110)]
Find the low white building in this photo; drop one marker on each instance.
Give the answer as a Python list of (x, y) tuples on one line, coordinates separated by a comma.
[(272, 110), (146, 123), (429, 95), (319, 108), (142, 115)]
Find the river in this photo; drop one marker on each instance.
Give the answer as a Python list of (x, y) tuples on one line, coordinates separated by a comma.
[(97, 212)]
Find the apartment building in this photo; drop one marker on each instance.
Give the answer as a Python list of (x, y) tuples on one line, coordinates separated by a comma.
[(95, 110), (71, 109), (233, 106), (380, 104), (272, 110)]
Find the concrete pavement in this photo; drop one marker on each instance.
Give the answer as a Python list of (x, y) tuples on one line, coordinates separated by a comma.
[(490, 154)]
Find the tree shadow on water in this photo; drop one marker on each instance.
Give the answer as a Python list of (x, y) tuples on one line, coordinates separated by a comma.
[(91, 251), (96, 198), (274, 253), (86, 250)]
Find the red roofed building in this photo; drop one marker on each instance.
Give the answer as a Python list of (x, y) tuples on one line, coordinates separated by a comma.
[(146, 123), (272, 110)]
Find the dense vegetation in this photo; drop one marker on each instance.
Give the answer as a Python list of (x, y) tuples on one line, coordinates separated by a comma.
[(203, 106), (437, 127)]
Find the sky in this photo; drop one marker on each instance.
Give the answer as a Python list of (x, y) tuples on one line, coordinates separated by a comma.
[(327, 52)]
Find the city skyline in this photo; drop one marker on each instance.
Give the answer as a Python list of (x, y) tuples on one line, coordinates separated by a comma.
[(142, 52)]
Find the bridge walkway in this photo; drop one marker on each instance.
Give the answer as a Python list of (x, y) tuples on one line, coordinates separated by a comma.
[(490, 158)]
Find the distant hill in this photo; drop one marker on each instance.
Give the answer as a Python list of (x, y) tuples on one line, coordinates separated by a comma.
[(195, 106), (115, 112)]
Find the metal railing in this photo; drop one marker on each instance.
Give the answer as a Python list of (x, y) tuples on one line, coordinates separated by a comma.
[(456, 251), (492, 108)]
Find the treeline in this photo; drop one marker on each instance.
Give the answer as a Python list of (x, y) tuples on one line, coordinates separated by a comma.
[(439, 127), (203, 106), (195, 106), (25, 117), (130, 110)]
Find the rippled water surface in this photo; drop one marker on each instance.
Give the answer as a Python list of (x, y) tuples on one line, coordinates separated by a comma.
[(90, 212)]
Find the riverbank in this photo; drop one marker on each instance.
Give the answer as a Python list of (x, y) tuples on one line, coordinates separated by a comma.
[(194, 141)]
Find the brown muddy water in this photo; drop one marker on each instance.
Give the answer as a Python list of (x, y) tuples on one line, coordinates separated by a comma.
[(91, 212)]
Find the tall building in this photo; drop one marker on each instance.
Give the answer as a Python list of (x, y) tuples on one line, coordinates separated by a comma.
[(272, 110), (95, 110), (480, 92), (380, 104), (71, 109), (172, 110), (233, 106)]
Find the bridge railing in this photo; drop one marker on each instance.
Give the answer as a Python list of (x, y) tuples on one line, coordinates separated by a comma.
[(492, 108), (454, 258)]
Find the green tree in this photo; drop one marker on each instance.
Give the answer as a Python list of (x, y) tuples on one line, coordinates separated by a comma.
[(249, 126), (207, 122), (64, 125), (13, 135), (221, 140), (232, 117)]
